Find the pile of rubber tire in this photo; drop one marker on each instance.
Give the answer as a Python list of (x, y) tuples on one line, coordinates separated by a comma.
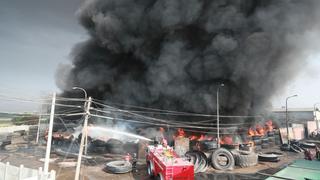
[(245, 159), (296, 146), (220, 159), (114, 146), (198, 159)]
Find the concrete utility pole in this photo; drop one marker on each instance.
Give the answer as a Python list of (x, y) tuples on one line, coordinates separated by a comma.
[(84, 134), (315, 115), (48, 150), (218, 118), (85, 98), (287, 119), (38, 131)]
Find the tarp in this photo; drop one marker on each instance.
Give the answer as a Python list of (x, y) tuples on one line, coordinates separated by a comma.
[(300, 170)]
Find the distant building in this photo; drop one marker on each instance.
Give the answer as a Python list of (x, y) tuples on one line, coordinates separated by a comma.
[(295, 116)]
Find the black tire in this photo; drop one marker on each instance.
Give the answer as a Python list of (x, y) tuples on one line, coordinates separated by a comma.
[(272, 139), (203, 165), (279, 154), (308, 145), (195, 159), (222, 154), (258, 148), (265, 146), (295, 148), (272, 144), (285, 147), (246, 160), (114, 146), (115, 150), (265, 140), (256, 138), (257, 141), (208, 145), (119, 167), (268, 158), (159, 177), (150, 169), (270, 133)]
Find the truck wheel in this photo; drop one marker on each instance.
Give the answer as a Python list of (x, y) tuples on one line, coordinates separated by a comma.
[(246, 160), (159, 177), (222, 159), (150, 169)]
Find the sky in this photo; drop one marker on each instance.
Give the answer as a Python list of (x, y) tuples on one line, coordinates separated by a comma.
[(37, 35)]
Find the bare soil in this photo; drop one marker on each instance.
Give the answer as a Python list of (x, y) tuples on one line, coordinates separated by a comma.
[(30, 155)]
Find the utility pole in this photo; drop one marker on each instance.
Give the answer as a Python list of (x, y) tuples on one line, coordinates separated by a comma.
[(315, 115), (85, 102), (218, 118), (48, 150), (38, 131), (287, 119), (84, 134)]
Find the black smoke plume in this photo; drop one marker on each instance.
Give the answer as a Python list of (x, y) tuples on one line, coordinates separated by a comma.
[(173, 54)]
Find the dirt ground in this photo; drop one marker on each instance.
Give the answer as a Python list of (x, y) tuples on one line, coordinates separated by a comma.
[(31, 156)]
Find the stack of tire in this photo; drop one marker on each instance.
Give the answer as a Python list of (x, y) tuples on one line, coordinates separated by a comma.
[(220, 159), (198, 159), (265, 143), (114, 146), (257, 142), (272, 139), (245, 159), (277, 137)]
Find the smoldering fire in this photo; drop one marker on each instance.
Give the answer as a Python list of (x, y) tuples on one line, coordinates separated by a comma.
[(172, 54)]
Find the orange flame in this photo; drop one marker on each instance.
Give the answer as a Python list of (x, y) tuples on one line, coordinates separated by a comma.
[(180, 132), (251, 132), (259, 129), (269, 125), (226, 140)]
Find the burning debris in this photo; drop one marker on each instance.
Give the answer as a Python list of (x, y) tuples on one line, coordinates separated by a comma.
[(173, 54)]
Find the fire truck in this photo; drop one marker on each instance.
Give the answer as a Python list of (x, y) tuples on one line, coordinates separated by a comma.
[(164, 164)]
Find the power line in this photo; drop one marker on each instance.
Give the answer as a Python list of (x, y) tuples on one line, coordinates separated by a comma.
[(169, 112), (173, 122), (37, 102)]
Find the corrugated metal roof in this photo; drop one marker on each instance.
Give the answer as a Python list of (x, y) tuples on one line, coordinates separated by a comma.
[(300, 170)]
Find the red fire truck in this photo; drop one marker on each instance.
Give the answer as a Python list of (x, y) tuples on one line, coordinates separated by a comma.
[(164, 164)]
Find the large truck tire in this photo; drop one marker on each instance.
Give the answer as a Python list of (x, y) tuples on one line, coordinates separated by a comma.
[(150, 169), (119, 167), (195, 159), (222, 159), (203, 165), (246, 160)]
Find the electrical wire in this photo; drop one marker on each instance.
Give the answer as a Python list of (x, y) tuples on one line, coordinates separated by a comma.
[(174, 121), (43, 103), (167, 112)]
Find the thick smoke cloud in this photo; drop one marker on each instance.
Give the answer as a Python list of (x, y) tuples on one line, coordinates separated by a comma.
[(173, 54)]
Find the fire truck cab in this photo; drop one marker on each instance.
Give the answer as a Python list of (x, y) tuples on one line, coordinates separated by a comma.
[(164, 164)]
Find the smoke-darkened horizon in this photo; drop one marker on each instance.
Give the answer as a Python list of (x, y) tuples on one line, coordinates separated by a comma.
[(173, 54)]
